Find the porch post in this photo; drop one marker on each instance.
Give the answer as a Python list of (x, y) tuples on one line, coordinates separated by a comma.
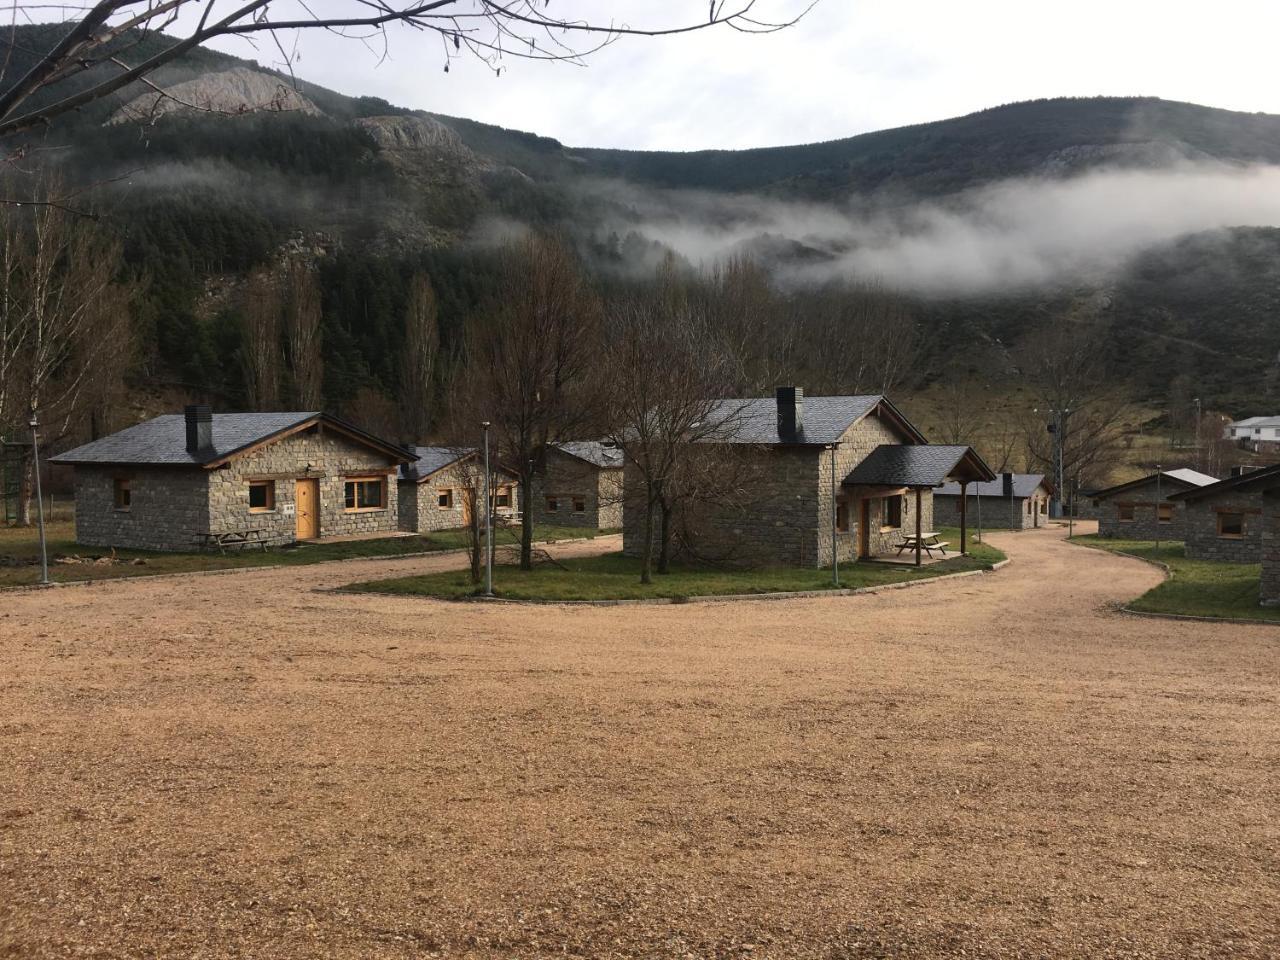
[(964, 527), (919, 529)]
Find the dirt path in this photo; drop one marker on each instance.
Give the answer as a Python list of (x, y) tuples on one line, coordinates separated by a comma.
[(237, 765)]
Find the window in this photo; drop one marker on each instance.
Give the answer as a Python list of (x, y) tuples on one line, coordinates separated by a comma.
[(503, 498), (1164, 512), (892, 512), (553, 504), (842, 516), (364, 493), (122, 493), (262, 496), (1124, 512), (579, 504), (444, 499), (1231, 525), (1028, 508)]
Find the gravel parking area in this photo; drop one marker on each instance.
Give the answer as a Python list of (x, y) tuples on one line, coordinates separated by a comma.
[(238, 765)]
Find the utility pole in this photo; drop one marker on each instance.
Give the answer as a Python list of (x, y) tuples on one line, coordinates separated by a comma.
[(1200, 459), (1158, 498), (835, 556), (488, 517), (35, 455)]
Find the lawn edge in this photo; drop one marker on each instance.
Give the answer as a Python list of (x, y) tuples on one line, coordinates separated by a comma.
[(670, 601), (14, 588), (1125, 608)]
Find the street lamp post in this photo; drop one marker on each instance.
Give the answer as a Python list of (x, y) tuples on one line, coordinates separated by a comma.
[(488, 517), (835, 555), (35, 455)]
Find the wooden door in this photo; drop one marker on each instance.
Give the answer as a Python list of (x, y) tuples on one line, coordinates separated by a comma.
[(307, 505), (864, 528)]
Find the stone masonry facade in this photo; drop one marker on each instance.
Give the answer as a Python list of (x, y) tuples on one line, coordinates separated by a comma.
[(783, 518), (567, 482), (997, 513), (420, 502), (1270, 587), (1142, 500), (1203, 540), (170, 506)]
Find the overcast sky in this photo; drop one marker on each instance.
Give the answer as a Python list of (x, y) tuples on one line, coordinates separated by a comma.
[(849, 67)]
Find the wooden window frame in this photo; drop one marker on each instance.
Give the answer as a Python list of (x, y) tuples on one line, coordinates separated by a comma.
[(578, 499), (122, 485), (552, 504), (347, 482), (842, 515), (1161, 509), (886, 512), (1230, 536), (445, 493), (502, 497), (1133, 513), (270, 487)]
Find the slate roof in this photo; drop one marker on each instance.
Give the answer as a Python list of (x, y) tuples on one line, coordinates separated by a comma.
[(1024, 485), (922, 465), (825, 419), (1264, 478), (1256, 422), (1184, 477), (162, 441), (595, 452), (432, 460)]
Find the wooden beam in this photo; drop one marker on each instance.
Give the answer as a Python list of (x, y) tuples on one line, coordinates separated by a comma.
[(964, 527), (919, 530)]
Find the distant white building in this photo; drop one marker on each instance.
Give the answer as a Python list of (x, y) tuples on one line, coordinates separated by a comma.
[(1254, 430)]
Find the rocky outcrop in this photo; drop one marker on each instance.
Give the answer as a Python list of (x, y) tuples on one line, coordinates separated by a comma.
[(418, 135), (231, 92)]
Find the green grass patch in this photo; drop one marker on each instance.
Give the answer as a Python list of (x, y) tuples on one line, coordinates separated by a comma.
[(615, 577), (1197, 588), (20, 552)]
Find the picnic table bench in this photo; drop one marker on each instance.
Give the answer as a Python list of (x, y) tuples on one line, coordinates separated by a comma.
[(929, 542), (235, 539)]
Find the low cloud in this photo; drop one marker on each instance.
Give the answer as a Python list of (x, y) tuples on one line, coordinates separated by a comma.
[(1015, 234)]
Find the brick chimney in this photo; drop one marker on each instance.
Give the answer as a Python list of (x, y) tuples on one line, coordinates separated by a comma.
[(790, 413), (199, 429)]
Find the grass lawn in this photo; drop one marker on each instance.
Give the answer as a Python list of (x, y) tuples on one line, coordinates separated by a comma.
[(22, 544), (615, 577), (1198, 588)]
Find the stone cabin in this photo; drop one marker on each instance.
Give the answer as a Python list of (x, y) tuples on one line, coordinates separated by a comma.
[(807, 471), (580, 485), (434, 490), (1013, 501), (1129, 511), (1223, 521), (163, 483)]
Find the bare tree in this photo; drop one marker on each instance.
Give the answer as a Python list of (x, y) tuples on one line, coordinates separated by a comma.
[(749, 317), (100, 51), (418, 359), (62, 307), (530, 358), (861, 337), (961, 411), (665, 374), (302, 328), (260, 354)]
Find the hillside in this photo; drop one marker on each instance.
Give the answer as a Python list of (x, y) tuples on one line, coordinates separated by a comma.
[(248, 167)]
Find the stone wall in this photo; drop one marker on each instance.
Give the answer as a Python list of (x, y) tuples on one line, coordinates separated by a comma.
[(332, 458), (1270, 587), (420, 510), (998, 513), (1143, 526), (1201, 528), (169, 507), (566, 477)]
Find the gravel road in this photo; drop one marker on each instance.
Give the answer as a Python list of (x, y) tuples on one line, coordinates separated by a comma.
[(241, 766)]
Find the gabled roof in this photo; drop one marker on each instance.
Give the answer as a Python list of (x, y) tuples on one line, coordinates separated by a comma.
[(1180, 479), (1264, 478), (1256, 422), (825, 419), (162, 441), (1024, 485), (923, 465), (607, 456), (432, 460)]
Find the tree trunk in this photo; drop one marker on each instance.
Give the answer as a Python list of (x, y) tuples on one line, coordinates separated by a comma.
[(526, 522), (646, 545), (476, 539), (664, 541), (26, 487)]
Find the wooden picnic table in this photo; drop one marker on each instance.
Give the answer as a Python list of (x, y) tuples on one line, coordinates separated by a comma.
[(928, 542), (237, 539)]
